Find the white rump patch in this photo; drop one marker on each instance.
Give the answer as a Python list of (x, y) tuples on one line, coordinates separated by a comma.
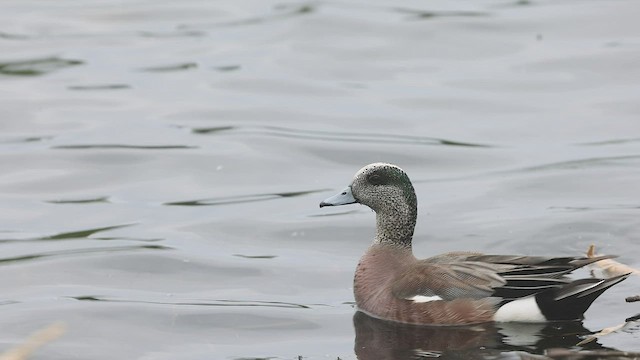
[(424, 299), (521, 310)]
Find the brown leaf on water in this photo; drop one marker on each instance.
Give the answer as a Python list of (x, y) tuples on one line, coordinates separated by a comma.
[(609, 330), (34, 342), (610, 267)]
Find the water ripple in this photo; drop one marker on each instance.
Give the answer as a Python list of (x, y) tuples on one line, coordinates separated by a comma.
[(71, 252), (595, 208), (124, 146), (102, 199), (580, 163), (170, 68), (256, 256), (9, 36), (285, 11), (216, 302), (227, 68), (611, 142), (83, 234), (28, 139), (586, 163), (424, 14), (100, 87), (352, 137), (336, 213), (172, 34), (224, 200), (36, 67), (79, 234)]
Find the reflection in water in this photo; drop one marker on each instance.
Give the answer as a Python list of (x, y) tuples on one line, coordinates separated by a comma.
[(537, 338), (383, 340)]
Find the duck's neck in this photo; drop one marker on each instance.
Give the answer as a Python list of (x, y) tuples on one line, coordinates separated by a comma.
[(396, 227)]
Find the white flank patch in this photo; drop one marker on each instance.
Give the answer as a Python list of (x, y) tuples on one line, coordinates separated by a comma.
[(521, 310), (424, 299)]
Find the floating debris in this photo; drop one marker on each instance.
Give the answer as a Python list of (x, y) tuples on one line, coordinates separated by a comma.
[(611, 267), (603, 332)]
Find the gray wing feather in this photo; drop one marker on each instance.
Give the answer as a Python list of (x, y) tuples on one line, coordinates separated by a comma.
[(448, 281)]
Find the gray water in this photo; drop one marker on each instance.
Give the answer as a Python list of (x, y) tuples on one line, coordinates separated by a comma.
[(162, 164)]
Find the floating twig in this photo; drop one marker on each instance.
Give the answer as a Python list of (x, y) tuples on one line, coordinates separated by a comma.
[(603, 332), (609, 330)]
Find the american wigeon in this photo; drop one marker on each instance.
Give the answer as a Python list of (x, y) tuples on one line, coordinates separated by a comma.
[(453, 288)]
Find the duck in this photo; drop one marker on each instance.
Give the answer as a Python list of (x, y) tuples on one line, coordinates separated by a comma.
[(455, 288)]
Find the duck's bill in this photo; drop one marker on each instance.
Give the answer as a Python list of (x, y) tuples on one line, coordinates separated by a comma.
[(343, 198)]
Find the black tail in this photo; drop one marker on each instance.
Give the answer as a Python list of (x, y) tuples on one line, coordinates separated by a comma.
[(570, 301)]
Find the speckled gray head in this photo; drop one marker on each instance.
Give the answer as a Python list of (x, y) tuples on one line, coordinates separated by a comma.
[(387, 190), (378, 186)]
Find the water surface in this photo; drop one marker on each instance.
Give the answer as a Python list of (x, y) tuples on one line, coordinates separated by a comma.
[(162, 164)]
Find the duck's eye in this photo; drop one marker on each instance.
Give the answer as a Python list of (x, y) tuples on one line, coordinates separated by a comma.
[(375, 179)]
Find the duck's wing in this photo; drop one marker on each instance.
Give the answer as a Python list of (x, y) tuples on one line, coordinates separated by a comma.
[(472, 275), (447, 281), (472, 279), (518, 265), (536, 266), (568, 261)]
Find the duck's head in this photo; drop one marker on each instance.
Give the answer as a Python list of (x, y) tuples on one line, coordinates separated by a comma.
[(385, 188)]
